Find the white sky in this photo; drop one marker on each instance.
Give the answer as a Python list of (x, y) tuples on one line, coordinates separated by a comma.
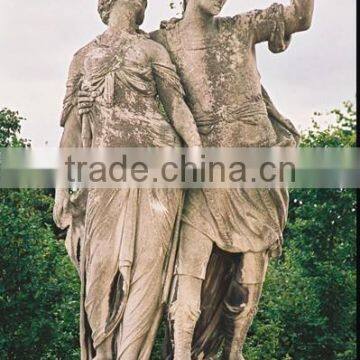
[(39, 37)]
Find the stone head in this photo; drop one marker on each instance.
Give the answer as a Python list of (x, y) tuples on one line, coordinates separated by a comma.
[(133, 8), (210, 7)]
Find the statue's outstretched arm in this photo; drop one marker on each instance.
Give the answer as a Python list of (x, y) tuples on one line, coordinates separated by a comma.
[(277, 23)]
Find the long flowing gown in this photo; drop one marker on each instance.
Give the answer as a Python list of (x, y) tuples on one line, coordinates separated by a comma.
[(124, 228), (232, 109)]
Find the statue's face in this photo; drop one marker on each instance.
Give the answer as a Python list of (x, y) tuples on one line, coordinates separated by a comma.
[(212, 7), (140, 7), (137, 9)]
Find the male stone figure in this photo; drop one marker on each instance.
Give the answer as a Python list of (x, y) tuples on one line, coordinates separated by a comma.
[(215, 58)]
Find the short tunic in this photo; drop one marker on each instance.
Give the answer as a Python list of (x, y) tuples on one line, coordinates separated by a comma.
[(231, 109)]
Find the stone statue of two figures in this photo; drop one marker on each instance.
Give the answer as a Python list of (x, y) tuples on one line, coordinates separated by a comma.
[(212, 246)]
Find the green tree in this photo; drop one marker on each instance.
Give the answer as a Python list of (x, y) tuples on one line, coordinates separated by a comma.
[(309, 302), (38, 286), (10, 126)]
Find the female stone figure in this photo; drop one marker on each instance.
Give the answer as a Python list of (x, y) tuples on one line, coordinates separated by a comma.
[(216, 61), (128, 232)]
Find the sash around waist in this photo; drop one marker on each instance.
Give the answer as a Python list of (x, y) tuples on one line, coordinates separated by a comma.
[(206, 121)]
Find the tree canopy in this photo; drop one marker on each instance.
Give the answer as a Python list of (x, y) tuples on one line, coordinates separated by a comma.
[(307, 311)]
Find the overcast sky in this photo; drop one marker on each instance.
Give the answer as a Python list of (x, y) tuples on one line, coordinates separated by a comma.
[(39, 37)]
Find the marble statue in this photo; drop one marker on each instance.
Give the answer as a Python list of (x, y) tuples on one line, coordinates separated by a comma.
[(226, 236), (123, 248), (216, 60)]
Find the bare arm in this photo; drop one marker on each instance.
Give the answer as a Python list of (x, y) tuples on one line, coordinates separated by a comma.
[(182, 119), (172, 97), (71, 137), (70, 118)]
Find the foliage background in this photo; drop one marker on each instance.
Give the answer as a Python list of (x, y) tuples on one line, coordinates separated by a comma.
[(308, 309)]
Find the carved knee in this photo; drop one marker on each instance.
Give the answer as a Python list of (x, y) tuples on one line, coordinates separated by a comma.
[(240, 306), (237, 299), (249, 310), (180, 310), (187, 303)]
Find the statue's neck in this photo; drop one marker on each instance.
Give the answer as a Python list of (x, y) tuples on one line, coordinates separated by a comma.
[(196, 20), (122, 22)]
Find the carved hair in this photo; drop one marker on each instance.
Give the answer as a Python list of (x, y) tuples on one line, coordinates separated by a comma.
[(104, 9)]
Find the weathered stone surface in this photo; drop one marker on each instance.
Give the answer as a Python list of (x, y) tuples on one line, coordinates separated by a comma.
[(216, 61), (227, 236), (122, 245)]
